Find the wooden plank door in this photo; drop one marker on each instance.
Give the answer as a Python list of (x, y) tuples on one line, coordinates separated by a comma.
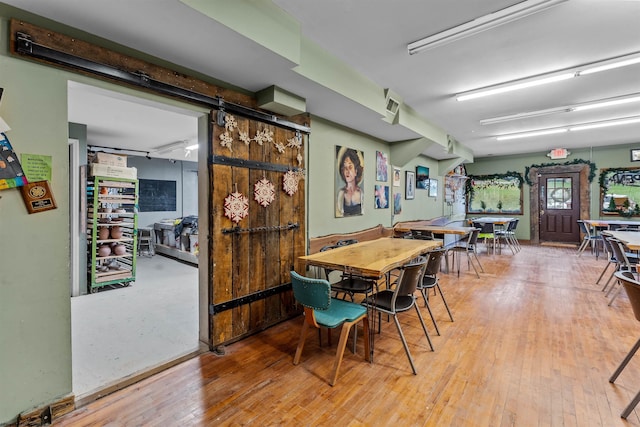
[(559, 206), (251, 257)]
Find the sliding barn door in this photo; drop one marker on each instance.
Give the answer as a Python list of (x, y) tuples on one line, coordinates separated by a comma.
[(257, 224)]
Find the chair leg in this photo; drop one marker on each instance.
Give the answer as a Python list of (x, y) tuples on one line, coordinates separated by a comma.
[(303, 334), (626, 360), (404, 343), (469, 261), (424, 327), (606, 267), (475, 255), (426, 304), (342, 344), (630, 406), (444, 301)]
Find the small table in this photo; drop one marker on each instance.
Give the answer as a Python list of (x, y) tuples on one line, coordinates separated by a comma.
[(372, 258), (502, 221), (631, 239)]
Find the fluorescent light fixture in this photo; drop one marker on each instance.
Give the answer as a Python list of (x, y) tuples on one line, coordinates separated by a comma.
[(191, 147), (530, 134), (551, 77), (483, 23), (508, 87), (601, 103), (606, 123), (171, 147), (573, 128), (611, 64)]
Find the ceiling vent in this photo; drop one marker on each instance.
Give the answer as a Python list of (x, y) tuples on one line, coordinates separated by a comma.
[(392, 106)]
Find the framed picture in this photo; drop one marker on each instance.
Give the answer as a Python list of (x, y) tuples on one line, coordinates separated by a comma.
[(382, 164), (433, 188), (635, 154), (397, 203), (410, 185), (422, 177), (381, 196), (349, 182), (396, 177)]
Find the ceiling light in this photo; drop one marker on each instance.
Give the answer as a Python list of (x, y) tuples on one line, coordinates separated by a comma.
[(171, 147), (486, 22), (530, 134), (508, 87), (607, 123), (4, 127), (607, 102), (573, 128), (191, 147), (551, 77), (611, 64)]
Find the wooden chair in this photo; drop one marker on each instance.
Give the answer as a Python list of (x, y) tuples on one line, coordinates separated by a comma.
[(320, 310), (632, 287)]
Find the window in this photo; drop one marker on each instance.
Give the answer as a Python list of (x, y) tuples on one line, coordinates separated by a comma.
[(500, 193), (559, 193), (620, 192)]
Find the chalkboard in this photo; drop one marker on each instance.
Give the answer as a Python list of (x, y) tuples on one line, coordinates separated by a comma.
[(156, 195)]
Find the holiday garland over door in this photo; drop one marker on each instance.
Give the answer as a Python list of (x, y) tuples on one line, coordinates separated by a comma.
[(257, 224)]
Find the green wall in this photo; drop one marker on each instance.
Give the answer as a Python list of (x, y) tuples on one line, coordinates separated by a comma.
[(321, 184), (602, 157)]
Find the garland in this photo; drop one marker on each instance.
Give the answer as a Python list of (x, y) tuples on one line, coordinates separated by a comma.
[(468, 185), (592, 168)]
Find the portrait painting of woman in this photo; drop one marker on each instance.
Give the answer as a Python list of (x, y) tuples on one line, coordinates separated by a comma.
[(349, 181)]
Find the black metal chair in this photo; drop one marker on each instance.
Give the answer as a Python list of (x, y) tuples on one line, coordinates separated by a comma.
[(632, 287), (470, 249), (400, 299), (430, 281), (625, 262)]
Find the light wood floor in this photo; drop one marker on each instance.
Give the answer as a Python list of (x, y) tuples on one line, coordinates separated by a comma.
[(533, 344)]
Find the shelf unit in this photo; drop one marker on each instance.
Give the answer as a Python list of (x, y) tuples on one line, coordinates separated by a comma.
[(112, 231)]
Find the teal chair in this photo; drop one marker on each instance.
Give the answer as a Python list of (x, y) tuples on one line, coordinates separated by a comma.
[(322, 311)]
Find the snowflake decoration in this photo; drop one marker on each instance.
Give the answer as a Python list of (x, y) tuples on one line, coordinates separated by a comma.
[(279, 146), (263, 136), (236, 207), (244, 137), (295, 142), (226, 140), (264, 192), (230, 122), (290, 182)]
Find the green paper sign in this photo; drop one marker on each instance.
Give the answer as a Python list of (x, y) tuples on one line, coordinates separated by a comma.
[(36, 167)]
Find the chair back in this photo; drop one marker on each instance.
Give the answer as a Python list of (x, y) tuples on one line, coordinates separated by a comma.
[(473, 238), (511, 226), (433, 262), (607, 247), (619, 253), (632, 287), (311, 293), (485, 227), (584, 229), (421, 235), (411, 275)]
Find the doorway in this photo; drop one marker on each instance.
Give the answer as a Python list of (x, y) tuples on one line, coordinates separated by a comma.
[(560, 206), (560, 195), (124, 334)]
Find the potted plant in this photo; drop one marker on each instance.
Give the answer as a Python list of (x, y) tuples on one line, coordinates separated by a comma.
[(499, 205), (483, 205)]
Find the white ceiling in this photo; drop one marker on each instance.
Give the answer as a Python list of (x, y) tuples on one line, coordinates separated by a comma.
[(371, 37)]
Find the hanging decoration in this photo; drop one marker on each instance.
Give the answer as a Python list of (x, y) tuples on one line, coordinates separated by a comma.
[(236, 206), (264, 192), (592, 168), (290, 182), (296, 142), (261, 136)]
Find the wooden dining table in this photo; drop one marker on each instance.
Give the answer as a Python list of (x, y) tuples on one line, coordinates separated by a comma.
[(631, 239), (373, 259)]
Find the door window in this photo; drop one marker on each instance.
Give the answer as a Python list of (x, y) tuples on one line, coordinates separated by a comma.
[(559, 193)]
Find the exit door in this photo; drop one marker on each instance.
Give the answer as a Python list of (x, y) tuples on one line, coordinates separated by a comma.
[(559, 207)]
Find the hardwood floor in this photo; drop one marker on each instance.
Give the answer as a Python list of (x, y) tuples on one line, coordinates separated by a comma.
[(533, 344)]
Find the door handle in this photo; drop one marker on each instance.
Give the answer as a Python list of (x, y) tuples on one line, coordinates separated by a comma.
[(541, 212)]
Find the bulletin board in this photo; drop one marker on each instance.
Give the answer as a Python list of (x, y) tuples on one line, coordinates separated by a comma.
[(157, 195)]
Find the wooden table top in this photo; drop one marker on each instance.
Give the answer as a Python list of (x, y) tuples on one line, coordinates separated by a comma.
[(630, 238), (436, 229), (372, 258), (608, 222)]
